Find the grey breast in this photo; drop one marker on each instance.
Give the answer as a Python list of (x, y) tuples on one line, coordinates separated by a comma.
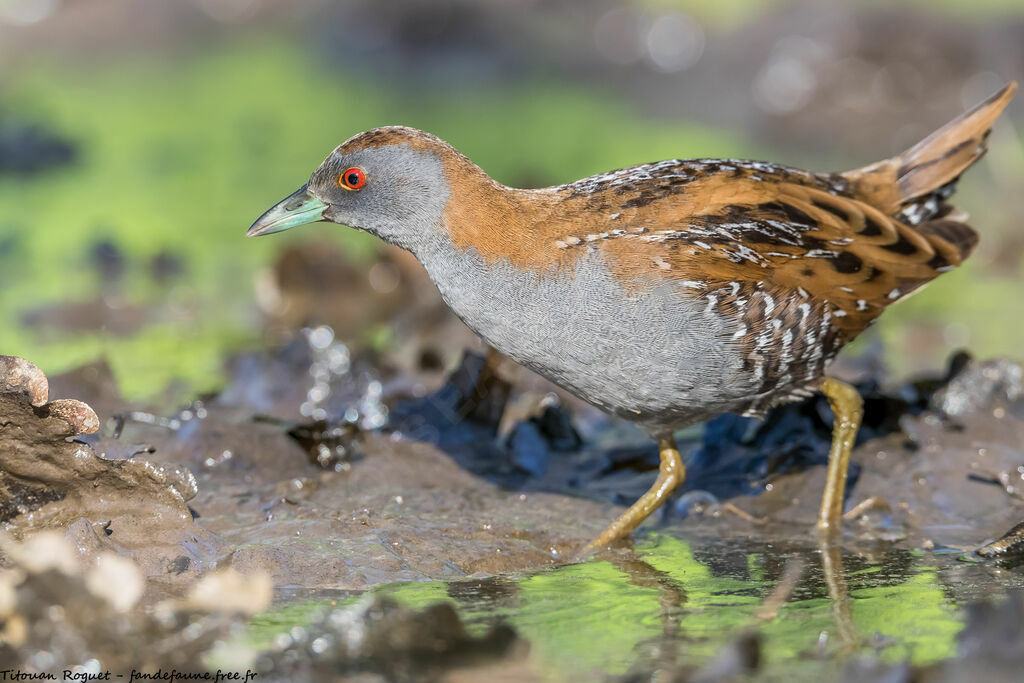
[(661, 358)]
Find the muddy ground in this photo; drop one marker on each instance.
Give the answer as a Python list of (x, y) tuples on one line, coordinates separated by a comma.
[(328, 473)]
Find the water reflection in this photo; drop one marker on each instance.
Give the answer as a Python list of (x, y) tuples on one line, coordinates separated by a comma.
[(668, 606), (839, 592)]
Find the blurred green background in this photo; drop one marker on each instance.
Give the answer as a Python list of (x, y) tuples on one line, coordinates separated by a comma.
[(139, 139)]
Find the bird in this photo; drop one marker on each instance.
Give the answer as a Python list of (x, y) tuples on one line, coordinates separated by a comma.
[(670, 292)]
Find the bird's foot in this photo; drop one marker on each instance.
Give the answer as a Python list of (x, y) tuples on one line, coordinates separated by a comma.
[(671, 475)]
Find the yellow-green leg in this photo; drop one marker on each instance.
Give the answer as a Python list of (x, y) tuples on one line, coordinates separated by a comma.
[(847, 410), (671, 475)]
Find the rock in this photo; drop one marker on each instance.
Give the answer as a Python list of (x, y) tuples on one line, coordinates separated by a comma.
[(377, 636), (331, 446), (51, 480), (117, 580), (1007, 550), (555, 424), (17, 375), (56, 616), (231, 591), (528, 450), (982, 385), (28, 148)]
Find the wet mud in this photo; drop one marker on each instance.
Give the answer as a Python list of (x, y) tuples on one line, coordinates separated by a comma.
[(51, 478), (359, 489), (331, 473)]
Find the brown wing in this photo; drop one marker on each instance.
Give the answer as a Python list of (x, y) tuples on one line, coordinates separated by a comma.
[(855, 242), (800, 264), (788, 232)]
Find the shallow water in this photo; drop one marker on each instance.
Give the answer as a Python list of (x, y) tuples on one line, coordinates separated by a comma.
[(673, 604)]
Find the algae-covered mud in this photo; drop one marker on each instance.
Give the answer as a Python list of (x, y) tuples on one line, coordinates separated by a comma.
[(285, 457)]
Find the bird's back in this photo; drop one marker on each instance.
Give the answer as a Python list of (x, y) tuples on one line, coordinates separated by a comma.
[(728, 284)]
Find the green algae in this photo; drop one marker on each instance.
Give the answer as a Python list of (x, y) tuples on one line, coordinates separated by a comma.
[(683, 601), (179, 155)]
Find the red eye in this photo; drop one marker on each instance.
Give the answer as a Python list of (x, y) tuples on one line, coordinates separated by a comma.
[(352, 179)]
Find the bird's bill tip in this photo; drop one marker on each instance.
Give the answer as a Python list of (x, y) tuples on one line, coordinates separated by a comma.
[(298, 208)]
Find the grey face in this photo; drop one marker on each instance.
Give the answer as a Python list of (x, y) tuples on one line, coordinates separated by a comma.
[(400, 201)]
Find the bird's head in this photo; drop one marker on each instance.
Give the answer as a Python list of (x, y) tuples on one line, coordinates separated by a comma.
[(391, 182)]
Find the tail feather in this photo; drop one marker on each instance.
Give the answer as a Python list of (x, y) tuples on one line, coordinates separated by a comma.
[(915, 184), (942, 156), (960, 236)]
